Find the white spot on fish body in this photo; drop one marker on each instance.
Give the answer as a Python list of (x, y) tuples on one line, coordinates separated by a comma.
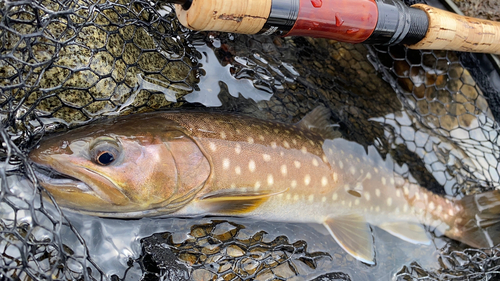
[(293, 184), (286, 144), (377, 209), (406, 190), (439, 209), (294, 142), (325, 160), (315, 162), (251, 166), (283, 170), (225, 163), (273, 144), (324, 181), (297, 164), (237, 170), (398, 193), (384, 181), (266, 157), (451, 212), (347, 187), (352, 170), (212, 146), (270, 180), (335, 177), (311, 198), (356, 202), (375, 169), (250, 140), (391, 180), (296, 197), (257, 185), (426, 197), (223, 135), (304, 150), (288, 196), (238, 131), (368, 175), (341, 165), (377, 192), (367, 196), (335, 196), (307, 179), (417, 196), (323, 199), (237, 149), (261, 137), (350, 204), (389, 201)]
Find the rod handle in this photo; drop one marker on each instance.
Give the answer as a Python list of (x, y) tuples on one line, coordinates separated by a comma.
[(246, 17), (449, 31)]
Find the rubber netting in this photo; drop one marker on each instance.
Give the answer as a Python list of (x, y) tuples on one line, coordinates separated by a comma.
[(68, 62)]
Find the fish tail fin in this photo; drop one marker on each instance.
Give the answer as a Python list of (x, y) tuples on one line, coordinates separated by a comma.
[(479, 224)]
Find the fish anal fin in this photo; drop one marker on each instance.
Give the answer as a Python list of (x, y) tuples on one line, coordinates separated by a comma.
[(318, 120), (354, 235), (479, 224), (409, 232), (234, 201)]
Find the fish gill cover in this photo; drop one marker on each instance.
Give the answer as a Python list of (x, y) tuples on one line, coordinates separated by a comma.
[(66, 63)]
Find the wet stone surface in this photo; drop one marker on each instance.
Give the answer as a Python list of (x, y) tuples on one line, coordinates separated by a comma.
[(233, 258)]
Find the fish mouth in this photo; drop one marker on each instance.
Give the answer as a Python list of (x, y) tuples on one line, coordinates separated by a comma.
[(50, 176)]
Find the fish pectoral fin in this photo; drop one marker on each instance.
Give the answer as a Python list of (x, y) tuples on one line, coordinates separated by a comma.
[(409, 232), (318, 120), (235, 201), (353, 234)]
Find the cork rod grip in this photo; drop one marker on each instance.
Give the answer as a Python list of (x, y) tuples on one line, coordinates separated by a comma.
[(449, 31), (247, 17)]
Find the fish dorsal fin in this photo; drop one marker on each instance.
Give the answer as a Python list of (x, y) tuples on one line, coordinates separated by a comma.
[(234, 201), (318, 120), (409, 232), (353, 234)]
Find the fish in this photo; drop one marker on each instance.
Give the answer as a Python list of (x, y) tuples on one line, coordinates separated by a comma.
[(190, 164)]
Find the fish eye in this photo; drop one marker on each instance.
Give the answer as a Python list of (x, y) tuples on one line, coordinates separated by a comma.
[(105, 158), (104, 151)]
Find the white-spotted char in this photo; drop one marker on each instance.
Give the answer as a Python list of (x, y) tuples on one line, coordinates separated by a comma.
[(191, 164)]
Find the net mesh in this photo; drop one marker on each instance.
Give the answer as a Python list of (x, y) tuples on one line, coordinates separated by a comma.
[(65, 63)]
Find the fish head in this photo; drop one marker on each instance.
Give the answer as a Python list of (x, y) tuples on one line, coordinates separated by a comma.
[(126, 168)]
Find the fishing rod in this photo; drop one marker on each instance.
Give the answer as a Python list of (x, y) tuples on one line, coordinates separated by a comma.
[(387, 22)]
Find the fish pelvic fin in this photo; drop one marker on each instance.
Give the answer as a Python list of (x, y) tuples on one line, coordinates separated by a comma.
[(409, 232), (479, 224), (354, 235), (318, 120), (235, 201)]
